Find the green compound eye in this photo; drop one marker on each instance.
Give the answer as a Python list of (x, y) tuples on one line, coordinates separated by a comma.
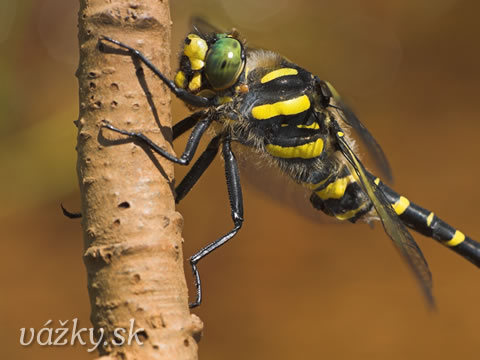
[(224, 63)]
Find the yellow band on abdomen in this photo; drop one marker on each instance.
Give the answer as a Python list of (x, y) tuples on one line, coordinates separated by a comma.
[(430, 218), (336, 189), (457, 239), (349, 214), (401, 205)]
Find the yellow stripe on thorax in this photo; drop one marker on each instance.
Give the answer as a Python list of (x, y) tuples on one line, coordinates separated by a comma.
[(278, 73), (314, 126), (401, 205), (287, 107), (306, 151), (336, 189), (457, 239)]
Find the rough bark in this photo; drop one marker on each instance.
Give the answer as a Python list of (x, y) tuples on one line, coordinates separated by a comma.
[(132, 233)]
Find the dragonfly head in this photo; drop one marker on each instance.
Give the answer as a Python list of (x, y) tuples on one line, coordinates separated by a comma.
[(210, 64)]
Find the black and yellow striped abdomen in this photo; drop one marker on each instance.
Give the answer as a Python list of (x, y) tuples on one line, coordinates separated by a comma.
[(281, 109), (338, 194), (427, 223), (341, 196)]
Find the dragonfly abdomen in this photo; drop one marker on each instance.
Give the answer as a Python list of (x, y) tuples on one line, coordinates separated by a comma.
[(338, 194), (427, 223)]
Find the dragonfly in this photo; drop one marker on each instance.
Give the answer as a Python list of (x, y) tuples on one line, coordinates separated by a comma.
[(296, 122)]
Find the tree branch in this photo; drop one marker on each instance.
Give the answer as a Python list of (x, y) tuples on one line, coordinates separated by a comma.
[(132, 233)]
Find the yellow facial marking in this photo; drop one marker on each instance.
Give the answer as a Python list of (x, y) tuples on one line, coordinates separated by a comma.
[(180, 80), (340, 134), (196, 51), (377, 181), (349, 214), (457, 239), (336, 189), (430, 219), (401, 205), (287, 107), (278, 73), (306, 151), (196, 82), (197, 64)]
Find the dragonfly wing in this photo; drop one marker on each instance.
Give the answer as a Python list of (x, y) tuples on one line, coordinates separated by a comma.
[(365, 136), (393, 226)]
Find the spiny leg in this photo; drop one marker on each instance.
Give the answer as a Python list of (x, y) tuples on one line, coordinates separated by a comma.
[(198, 168), (195, 100), (190, 148), (70, 215), (236, 206), (178, 129), (186, 124)]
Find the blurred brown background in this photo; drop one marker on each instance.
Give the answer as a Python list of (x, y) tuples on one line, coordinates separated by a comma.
[(285, 287)]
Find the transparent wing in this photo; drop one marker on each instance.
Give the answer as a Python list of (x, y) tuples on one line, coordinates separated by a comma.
[(371, 144), (402, 239), (271, 181), (203, 27)]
